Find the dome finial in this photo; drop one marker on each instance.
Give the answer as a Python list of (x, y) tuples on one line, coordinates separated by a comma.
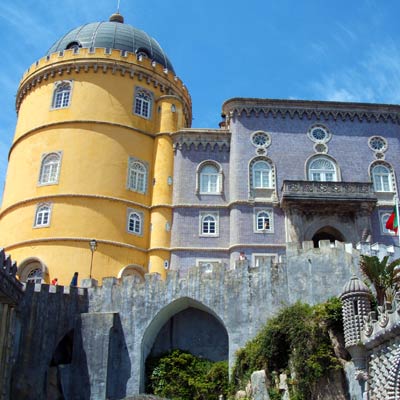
[(117, 17)]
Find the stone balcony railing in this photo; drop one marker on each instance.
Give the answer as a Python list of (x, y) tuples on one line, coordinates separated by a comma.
[(333, 192)]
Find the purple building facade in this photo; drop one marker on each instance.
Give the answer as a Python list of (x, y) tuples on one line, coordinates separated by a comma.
[(281, 171)]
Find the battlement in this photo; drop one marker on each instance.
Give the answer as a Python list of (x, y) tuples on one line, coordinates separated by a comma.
[(10, 287), (59, 289), (378, 249)]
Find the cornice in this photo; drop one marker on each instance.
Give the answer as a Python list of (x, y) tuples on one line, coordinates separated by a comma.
[(310, 109), (74, 239), (216, 139), (48, 68), (231, 247), (251, 203)]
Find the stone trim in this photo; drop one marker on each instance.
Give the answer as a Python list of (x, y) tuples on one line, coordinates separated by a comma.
[(73, 239), (77, 195), (49, 68), (84, 121), (304, 109), (217, 139), (250, 203), (231, 247)]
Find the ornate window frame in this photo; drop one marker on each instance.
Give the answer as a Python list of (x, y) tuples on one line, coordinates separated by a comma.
[(311, 133), (62, 94), (143, 102), (137, 180), (212, 220), (261, 192), (375, 139), (314, 158), (218, 174), (43, 215), (261, 139), (391, 176), (29, 266), (134, 222), (53, 177), (260, 219)]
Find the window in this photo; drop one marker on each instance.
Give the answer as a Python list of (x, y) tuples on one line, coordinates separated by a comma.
[(42, 216), (260, 139), (137, 176), (142, 106), (35, 276), (62, 94), (322, 169), (377, 143), (135, 222), (263, 221), (261, 175), (49, 169), (319, 134), (209, 178), (209, 224), (260, 259), (382, 178)]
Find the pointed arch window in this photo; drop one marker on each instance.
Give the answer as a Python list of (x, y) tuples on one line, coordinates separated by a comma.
[(62, 94), (322, 169), (137, 176), (143, 103), (42, 215), (135, 222), (382, 178), (50, 168)]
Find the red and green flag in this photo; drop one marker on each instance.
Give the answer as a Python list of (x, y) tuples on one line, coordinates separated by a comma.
[(393, 222)]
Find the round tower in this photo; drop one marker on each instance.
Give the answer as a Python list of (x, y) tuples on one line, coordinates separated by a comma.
[(92, 157)]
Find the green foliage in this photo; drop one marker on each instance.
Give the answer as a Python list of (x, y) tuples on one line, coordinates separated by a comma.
[(381, 275), (180, 375), (297, 338)]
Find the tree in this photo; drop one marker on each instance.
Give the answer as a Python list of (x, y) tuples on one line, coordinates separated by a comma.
[(383, 276)]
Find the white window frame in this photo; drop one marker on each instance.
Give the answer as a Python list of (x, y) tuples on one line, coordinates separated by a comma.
[(262, 172), (139, 214), (62, 95), (383, 217), (137, 180), (270, 212), (202, 216), (54, 169), (378, 178), (143, 102), (41, 215), (35, 278), (208, 263), (311, 172), (254, 256), (201, 176)]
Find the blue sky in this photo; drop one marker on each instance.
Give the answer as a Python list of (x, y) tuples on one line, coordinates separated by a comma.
[(314, 50)]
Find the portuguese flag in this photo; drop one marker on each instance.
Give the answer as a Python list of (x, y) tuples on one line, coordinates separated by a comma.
[(393, 222)]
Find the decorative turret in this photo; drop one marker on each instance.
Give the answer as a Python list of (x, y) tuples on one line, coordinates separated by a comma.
[(356, 305)]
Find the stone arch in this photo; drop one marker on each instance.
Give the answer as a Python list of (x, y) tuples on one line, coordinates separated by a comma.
[(327, 233), (30, 264), (393, 383), (161, 319), (132, 269), (331, 224)]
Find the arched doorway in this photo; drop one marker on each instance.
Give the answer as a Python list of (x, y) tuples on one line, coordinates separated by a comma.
[(33, 270), (185, 324), (327, 233)]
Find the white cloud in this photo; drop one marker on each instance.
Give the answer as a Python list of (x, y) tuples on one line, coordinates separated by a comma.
[(375, 78)]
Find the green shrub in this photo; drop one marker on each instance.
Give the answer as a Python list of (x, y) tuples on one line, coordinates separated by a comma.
[(297, 338), (180, 375)]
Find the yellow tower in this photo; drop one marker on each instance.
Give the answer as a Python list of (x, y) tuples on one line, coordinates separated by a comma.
[(92, 157)]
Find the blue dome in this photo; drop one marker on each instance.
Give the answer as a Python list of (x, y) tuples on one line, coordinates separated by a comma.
[(113, 34)]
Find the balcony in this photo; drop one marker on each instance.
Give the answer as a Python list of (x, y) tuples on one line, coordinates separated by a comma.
[(348, 195)]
